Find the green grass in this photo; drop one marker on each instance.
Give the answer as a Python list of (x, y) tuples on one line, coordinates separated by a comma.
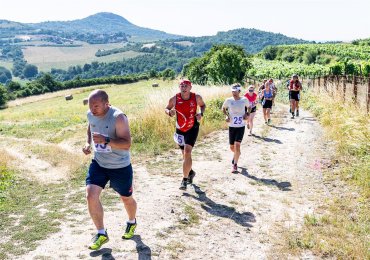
[(48, 119), (341, 227), (6, 64), (21, 220)]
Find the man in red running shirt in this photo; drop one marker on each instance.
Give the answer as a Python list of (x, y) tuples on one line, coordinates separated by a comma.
[(184, 105)]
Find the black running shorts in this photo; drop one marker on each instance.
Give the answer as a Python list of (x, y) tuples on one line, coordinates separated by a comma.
[(294, 95), (190, 136), (236, 134), (267, 104)]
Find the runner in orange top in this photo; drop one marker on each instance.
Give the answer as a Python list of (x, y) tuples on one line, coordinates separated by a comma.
[(184, 106)]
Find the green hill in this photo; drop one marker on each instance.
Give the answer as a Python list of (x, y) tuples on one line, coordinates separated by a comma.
[(103, 23)]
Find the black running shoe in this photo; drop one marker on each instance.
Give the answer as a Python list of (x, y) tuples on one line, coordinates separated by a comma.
[(183, 185), (191, 177)]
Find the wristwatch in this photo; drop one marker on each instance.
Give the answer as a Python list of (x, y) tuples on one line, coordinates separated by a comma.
[(107, 140)]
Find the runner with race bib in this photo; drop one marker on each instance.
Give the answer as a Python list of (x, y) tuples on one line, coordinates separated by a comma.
[(235, 110), (184, 105), (108, 134)]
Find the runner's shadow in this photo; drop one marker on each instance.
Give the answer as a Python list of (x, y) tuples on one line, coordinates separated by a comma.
[(283, 128), (244, 219), (284, 185), (266, 139), (309, 118), (144, 251), (105, 253)]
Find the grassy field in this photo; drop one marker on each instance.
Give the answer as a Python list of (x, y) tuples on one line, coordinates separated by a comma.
[(6, 64), (340, 227), (46, 58)]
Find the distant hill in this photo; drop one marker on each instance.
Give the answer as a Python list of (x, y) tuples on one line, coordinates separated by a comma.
[(103, 23), (91, 26), (252, 40)]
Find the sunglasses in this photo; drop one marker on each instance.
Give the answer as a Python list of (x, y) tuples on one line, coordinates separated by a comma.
[(251, 90)]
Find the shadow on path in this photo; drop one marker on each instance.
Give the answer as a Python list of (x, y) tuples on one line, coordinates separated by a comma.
[(244, 219), (283, 128), (266, 139), (144, 251), (105, 253), (284, 185)]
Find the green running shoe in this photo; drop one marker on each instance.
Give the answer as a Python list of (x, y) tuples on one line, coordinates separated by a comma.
[(130, 230), (98, 240)]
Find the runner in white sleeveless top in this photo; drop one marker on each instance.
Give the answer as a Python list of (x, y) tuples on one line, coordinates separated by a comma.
[(235, 110)]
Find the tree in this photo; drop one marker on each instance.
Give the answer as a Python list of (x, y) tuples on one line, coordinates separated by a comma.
[(168, 74), (30, 71), (3, 95), (270, 52), (223, 64), (49, 83), (14, 86), (5, 75)]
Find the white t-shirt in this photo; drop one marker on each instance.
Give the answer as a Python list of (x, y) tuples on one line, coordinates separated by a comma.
[(236, 110)]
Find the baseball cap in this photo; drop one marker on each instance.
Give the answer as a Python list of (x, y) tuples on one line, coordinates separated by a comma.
[(185, 82), (235, 87)]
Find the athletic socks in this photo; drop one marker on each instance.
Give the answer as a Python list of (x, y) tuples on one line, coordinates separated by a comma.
[(102, 231)]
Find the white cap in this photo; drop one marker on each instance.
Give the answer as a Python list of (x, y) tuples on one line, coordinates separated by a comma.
[(235, 87)]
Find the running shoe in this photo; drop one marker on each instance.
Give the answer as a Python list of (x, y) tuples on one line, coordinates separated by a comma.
[(191, 177), (130, 230), (292, 115), (183, 185), (98, 240), (297, 113), (235, 169)]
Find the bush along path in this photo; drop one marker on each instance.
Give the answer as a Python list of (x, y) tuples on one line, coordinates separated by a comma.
[(221, 216)]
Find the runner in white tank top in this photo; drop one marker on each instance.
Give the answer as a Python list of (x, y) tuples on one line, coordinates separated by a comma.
[(235, 110)]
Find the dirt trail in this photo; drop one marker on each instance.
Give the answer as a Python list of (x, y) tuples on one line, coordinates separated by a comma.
[(222, 216)]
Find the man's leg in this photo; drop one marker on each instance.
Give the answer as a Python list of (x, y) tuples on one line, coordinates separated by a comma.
[(187, 162), (97, 214), (292, 105), (130, 206), (236, 152), (297, 107), (94, 205)]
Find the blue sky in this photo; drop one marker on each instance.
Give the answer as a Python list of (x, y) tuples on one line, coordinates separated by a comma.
[(320, 20)]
